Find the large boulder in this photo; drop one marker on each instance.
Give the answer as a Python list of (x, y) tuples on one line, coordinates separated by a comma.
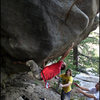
[(42, 29), (36, 30)]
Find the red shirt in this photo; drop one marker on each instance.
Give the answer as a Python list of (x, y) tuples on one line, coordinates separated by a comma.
[(51, 71)]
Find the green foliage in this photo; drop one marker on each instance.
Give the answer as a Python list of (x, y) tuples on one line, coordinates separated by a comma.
[(69, 62), (88, 56), (92, 38)]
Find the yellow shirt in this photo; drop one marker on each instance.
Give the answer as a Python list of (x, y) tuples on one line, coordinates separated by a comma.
[(66, 80)]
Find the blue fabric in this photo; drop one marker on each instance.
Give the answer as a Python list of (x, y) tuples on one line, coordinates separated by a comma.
[(65, 96)]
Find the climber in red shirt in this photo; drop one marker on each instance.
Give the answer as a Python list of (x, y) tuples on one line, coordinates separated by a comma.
[(54, 69)]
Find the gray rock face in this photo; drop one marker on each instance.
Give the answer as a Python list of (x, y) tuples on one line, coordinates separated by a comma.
[(42, 29), (24, 87)]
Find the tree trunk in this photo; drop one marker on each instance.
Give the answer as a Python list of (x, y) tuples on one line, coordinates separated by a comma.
[(75, 56)]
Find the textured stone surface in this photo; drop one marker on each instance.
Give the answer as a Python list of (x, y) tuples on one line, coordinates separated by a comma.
[(24, 86), (42, 30), (38, 29)]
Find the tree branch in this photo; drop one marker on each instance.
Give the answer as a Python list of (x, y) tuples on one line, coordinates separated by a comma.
[(91, 58)]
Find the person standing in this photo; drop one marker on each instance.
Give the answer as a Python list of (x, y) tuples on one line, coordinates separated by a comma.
[(94, 91), (67, 81)]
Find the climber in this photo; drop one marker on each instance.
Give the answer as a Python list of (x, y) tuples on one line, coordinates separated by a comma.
[(94, 91), (54, 69)]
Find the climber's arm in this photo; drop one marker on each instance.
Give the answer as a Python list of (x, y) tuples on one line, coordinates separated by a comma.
[(67, 52), (43, 63)]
